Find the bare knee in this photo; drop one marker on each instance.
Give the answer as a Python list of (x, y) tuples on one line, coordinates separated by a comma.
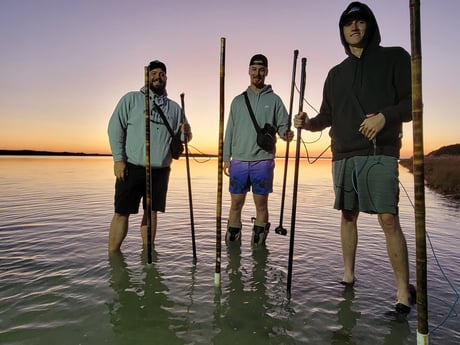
[(349, 216), (390, 224), (120, 217), (237, 201), (261, 206), (388, 221)]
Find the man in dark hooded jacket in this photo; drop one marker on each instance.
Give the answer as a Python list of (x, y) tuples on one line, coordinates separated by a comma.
[(366, 98)]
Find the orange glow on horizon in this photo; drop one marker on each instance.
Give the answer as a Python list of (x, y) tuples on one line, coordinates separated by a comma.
[(197, 147)]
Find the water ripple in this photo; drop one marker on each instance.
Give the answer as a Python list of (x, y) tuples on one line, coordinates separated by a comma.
[(60, 286)]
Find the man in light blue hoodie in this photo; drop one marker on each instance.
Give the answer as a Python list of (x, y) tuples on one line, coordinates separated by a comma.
[(126, 132), (246, 163)]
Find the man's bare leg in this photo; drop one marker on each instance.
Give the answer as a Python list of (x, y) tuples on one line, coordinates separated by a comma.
[(236, 206), (233, 233), (397, 253), (349, 238), (144, 228), (261, 203), (261, 226), (118, 231)]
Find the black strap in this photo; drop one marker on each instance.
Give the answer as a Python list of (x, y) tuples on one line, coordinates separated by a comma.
[(163, 117), (256, 125)]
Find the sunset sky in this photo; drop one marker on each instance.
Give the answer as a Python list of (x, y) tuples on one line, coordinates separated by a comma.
[(66, 63)]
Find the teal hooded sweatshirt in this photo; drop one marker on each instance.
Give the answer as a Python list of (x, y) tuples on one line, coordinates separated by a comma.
[(240, 134), (126, 129)]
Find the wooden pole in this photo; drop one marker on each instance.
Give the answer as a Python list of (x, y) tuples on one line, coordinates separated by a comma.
[(189, 183), (419, 176), (296, 179), (148, 190), (220, 165)]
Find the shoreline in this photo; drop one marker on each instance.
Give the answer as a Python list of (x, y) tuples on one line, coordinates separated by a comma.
[(442, 173), (47, 153), (65, 153)]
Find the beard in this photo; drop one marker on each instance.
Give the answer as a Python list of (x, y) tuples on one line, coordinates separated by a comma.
[(258, 82), (158, 86)]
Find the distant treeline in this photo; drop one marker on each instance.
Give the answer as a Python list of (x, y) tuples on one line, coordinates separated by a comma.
[(52, 153), (46, 153)]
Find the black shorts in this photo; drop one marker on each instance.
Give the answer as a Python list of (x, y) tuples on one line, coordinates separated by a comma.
[(128, 193)]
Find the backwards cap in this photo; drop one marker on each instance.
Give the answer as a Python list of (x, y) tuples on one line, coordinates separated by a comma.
[(259, 59)]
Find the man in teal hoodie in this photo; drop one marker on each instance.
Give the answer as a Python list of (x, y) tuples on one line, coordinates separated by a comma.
[(366, 98), (126, 132), (246, 163)]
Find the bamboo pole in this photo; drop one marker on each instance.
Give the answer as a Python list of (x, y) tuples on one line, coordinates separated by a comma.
[(148, 190), (220, 165), (419, 177)]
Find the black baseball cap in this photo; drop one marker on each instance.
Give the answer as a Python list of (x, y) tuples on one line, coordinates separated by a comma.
[(157, 64), (355, 10), (259, 59)]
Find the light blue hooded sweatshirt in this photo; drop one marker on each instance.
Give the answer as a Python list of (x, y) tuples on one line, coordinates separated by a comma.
[(126, 129), (240, 135)]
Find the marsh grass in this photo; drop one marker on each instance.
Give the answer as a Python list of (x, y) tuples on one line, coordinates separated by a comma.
[(442, 173)]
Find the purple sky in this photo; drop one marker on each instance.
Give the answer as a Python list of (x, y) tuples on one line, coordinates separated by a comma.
[(65, 64)]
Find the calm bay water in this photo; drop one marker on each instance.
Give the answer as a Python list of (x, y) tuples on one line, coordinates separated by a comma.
[(58, 285)]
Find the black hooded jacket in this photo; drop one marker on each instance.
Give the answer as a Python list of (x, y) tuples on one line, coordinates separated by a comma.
[(377, 82)]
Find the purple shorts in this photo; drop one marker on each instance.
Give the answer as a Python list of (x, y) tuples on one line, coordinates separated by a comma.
[(258, 175)]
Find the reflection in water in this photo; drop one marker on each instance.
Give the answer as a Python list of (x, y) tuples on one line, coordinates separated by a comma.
[(244, 316), (399, 333), (347, 318), (140, 309)]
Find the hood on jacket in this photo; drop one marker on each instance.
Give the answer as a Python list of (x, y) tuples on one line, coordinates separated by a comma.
[(360, 10)]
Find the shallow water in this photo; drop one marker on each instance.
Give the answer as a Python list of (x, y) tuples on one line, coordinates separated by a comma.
[(58, 285)]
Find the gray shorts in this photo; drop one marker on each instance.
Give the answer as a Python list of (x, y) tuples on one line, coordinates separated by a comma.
[(367, 184)]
